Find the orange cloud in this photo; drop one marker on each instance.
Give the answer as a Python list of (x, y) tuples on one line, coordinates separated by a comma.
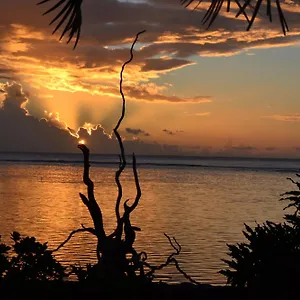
[(288, 118)]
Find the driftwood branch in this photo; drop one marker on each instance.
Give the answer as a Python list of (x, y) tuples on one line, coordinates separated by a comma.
[(122, 164), (137, 185), (112, 250), (84, 229), (90, 201), (129, 230), (171, 259)]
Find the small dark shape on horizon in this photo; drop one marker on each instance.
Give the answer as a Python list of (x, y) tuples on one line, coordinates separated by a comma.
[(167, 131), (244, 148), (137, 131), (271, 148)]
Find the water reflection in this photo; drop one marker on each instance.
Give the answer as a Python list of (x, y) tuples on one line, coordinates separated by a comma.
[(203, 209)]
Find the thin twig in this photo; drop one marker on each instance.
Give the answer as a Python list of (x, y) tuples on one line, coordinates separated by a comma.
[(137, 186), (188, 277), (122, 155), (169, 260), (84, 229)]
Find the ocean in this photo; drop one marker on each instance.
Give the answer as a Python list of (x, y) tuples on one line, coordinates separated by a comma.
[(202, 202)]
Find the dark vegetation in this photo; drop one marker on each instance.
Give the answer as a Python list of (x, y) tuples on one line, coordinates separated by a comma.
[(270, 259), (28, 259)]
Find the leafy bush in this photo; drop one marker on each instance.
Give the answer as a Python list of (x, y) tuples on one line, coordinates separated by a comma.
[(4, 261), (271, 257), (28, 259)]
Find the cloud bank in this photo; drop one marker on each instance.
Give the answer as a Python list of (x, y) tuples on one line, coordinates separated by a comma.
[(22, 132), (174, 37)]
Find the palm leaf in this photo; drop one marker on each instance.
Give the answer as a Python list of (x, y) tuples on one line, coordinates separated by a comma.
[(216, 5), (69, 17)]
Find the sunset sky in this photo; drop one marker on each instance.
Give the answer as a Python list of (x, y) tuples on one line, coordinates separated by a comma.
[(222, 91)]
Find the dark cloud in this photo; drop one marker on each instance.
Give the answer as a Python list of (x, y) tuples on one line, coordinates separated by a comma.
[(271, 148), (244, 148), (137, 131), (7, 73), (14, 98), (101, 142), (167, 131), (170, 132), (171, 31), (161, 64), (141, 93), (24, 133)]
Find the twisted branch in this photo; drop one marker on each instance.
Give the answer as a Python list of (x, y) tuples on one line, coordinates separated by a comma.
[(106, 245), (171, 259), (137, 186), (122, 164), (83, 229), (90, 201)]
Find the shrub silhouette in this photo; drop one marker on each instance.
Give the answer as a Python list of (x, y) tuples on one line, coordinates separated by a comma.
[(271, 257), (30, 260), (4, 261)]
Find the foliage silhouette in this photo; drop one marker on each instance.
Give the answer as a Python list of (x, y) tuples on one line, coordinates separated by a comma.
[(4, 260), (216, 6), (70, 15), (271, 257), (28, 259)]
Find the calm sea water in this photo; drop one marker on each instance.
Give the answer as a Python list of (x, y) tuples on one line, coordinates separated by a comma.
[(203, 202)]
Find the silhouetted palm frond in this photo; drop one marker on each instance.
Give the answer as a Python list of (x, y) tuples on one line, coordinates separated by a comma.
[(69, 16), (216, 5)]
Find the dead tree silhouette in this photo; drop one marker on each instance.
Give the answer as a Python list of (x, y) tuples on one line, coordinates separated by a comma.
[(116, 255)]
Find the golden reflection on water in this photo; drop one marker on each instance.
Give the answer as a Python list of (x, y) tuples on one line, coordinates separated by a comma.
[(203, 209)]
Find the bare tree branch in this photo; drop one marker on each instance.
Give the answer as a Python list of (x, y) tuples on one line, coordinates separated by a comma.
[(122, 156), (170, 259), (178, 250), (112, 250), (85, 229), (188, 277), (91, 202), (137, 184)]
